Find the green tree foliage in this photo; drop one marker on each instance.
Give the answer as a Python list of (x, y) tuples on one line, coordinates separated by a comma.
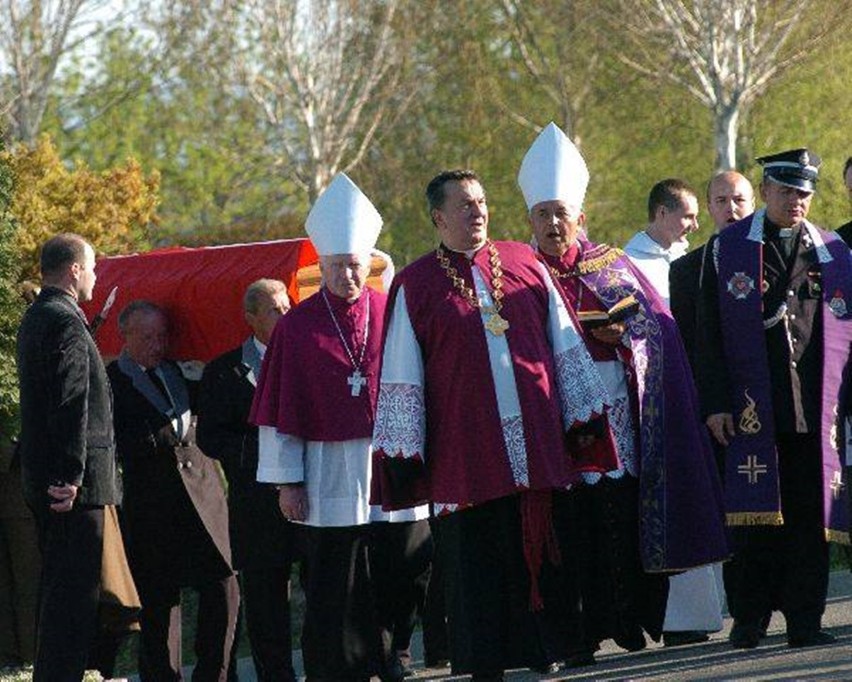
[(112, 208), (479, 104), (11, 303), (206, 143)]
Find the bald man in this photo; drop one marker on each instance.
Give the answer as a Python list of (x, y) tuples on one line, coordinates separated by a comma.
[(730, 197)]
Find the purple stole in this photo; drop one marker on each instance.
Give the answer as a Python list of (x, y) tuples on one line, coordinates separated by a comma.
[(752, 493), (681, 524)]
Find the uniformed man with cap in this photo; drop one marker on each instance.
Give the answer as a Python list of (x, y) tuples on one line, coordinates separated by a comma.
[(773, 342)]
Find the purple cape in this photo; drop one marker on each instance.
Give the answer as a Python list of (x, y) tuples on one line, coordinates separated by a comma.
[(466, 461), (681, 517), (303, 389)]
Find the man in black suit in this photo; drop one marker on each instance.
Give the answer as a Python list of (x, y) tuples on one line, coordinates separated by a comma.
[(175, 513), (261, 538), (67, 451), (730, 197), (845, 231)]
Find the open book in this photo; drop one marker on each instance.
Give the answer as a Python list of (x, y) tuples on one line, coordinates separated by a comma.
[(626, 308)]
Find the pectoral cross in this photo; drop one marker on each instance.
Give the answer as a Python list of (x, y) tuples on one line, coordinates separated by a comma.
[(496, 324), (356, 380)]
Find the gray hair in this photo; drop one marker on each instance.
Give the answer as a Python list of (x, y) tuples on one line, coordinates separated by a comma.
[(257, 289), (135, 307)]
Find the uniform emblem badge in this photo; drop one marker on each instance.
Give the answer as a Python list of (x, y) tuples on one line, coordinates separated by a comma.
[(837, 304), (740, 285)]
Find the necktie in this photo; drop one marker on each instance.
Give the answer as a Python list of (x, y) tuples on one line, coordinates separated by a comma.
[(158, 382)]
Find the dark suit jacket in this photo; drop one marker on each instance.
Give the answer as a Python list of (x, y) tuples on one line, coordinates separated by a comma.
[(66, 405), (684, 275), (845, 233), (175, 514), (260, 536)]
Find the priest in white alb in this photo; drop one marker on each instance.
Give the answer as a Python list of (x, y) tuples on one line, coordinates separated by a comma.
[(314, 404), (483, 372)]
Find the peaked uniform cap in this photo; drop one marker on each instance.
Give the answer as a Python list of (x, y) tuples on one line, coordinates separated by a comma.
[(343, 220), (553, 169), (797, 168)]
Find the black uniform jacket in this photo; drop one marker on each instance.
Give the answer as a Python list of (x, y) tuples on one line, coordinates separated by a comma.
[(794, 345)]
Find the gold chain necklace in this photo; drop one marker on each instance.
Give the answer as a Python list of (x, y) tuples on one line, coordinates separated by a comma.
[(496, 324)]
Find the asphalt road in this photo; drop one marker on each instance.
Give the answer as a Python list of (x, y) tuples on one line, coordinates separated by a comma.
[(712, 660)]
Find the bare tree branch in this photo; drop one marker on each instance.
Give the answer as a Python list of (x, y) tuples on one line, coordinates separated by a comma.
[(724, 53)]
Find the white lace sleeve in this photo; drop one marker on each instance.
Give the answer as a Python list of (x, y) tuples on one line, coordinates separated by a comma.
[(581, 390), (400, 428)]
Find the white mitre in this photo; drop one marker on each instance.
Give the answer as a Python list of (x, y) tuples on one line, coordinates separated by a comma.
[(343, 220), (553, 169)]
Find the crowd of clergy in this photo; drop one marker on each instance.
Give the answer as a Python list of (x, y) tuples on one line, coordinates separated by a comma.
[(533, 446)]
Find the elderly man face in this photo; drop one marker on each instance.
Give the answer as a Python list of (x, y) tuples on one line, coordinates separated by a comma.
[(269, 307), (345, 274), (555, 225), (730, 198), (146, 337)]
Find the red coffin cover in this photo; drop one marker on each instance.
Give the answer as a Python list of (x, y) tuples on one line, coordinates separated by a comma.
[(201, 289)]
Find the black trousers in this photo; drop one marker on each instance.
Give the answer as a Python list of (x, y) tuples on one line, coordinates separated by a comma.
[(71, 545), (340, 637), (266, 610), (160, 641), (487, 590), (400, 565), (605, 591), (785, 567), (434, 617)]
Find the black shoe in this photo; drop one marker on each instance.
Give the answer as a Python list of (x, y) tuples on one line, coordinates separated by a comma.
[(580, 659), (631, 642), (684, 637), (392, 671), (764, 624), (437, 663), (744, 636), (815, 638)]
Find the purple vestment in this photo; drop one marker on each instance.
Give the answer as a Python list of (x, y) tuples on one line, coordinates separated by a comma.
[(681, 519), (303, 388)]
